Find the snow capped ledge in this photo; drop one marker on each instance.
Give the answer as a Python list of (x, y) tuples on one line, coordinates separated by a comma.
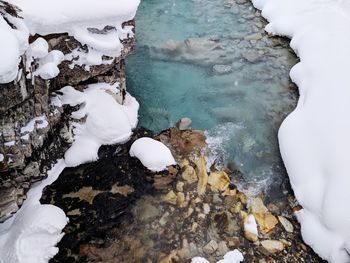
[(314, 139)]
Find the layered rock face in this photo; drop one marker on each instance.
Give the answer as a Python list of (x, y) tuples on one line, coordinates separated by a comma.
[(34, 130)]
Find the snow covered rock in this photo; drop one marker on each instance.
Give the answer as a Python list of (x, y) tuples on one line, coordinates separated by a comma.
[(153, 154), (107, 122), (314, 138)]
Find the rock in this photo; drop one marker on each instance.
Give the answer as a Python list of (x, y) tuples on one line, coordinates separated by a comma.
[(206, 208), (241, 2), (255, 36), (222, 69), (172, 257), (85, 193), (272, 246), (195, 45), (266, 221), (218, 181), (181, 200), (144, 210), (222, 248), (249, 227), (216, 199), (211, 247), (201, 171), (180, 186), (164, 219), (170, 198), (233, 242), (252, 56), (184, 124), (287, 225), (189, 175), (256, 205)]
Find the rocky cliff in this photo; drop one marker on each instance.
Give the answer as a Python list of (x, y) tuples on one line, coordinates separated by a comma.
[(34, 131)]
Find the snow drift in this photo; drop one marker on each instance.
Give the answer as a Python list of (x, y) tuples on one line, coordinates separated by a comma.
[(107, 121), (314, 138)]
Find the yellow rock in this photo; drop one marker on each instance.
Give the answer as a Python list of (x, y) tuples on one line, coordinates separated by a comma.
[(172, 257), (229, 192), (85, 193), (266, 221), (201, 171), (170, 198), (218, 181), (181, 201), (272, 246), (189, 175), (123, 190), (183, 163), (180, 186)]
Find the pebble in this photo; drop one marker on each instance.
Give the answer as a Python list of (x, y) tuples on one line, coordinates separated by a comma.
[(287, 225), (272, 246), (211, 247)]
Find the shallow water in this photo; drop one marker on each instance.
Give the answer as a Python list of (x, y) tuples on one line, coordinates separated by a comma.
[(212, 62)]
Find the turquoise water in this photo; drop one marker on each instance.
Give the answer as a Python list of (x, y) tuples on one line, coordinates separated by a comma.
[(211, 61)]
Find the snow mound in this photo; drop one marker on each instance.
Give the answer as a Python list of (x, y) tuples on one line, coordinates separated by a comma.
[(153, 154), (107, 122), (314, 139), (12, 45), (31, 235)]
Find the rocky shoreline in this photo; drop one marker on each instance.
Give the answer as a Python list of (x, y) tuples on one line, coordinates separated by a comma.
[(121, 212)]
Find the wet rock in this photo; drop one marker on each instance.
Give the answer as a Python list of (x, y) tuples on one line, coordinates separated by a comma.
[(287, 225), (183, 144), (272, 246), (211, 247), (184, 124), (256, 36), (218, 181), (252, 56), (201, 171), (222, 69)]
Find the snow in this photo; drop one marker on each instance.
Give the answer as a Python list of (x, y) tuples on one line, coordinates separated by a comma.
[(1, 157), (153, 154), (12, 46), (314, 138), (87, 22), (31, 235), (251, 226), (199, 260), (107, 121), (40, 123), (234, 256)]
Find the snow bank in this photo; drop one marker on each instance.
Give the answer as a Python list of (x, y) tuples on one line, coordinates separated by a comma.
[(234, 256), (107, 121), (153, 154), (96, 25), (314, 138), (12, 45), (31, 235)]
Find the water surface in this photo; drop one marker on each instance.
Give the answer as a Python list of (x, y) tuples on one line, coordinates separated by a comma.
[(211, 61)]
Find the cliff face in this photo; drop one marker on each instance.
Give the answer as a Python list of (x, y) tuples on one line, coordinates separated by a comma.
[(34, 131)]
